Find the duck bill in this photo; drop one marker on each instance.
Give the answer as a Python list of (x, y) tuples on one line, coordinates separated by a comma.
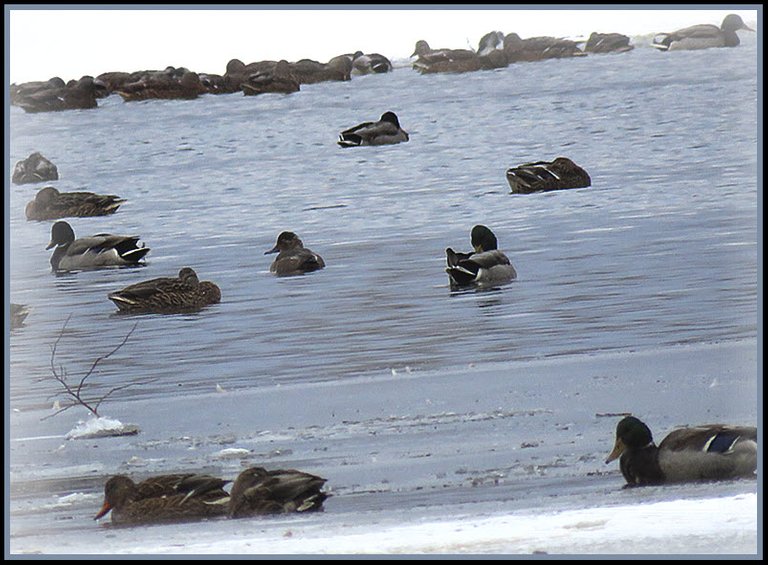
[(618, 449), (51, 244), (104, 509), (273, 250)]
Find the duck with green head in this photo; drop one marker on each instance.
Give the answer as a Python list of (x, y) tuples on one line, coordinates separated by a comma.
[(486, 266), (97, 251), (700, 453), (702, 36)]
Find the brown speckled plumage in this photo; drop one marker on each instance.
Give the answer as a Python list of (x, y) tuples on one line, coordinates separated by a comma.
[(257, 491), (167, 295), (540, 176), (163, 499), (50, 204)]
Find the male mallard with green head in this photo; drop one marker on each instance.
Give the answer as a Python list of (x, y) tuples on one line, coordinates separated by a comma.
[(702, 36), (386, 131), (487, 266), (701, 453), (96, 251)]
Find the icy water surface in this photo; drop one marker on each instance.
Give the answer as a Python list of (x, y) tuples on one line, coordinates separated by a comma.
[(660, 252)]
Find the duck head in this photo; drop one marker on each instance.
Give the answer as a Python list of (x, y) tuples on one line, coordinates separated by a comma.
[(117, 492), (631, 433), (285, 241), (483, 239), (733, 22), (61, 234)]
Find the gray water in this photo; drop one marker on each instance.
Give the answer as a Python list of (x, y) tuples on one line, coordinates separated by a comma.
[(661, 250)]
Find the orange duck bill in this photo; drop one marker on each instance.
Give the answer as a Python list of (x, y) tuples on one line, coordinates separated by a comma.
[(104, 509)]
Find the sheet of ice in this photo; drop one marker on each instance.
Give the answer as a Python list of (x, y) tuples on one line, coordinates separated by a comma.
[(709, 526), (492, 458)]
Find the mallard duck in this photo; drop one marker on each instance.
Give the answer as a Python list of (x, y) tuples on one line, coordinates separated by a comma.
[(21, 91), (308, 71), (386, 131), (96, 251), (608, 43), (163, 499), (76, 95), (702, 36), (539, 176), (279, 79), (539, 48), (34, 168), (257, 491), (486, 266), (50, 204), (163, 86), (444, 60), (364, 64), (293, 258), (167, 295), (19, 313), (700, 453)]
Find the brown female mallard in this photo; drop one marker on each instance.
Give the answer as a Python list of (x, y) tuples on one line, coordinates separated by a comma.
[(167, 295), (542, 175), (50, 204), (165, 498), (257, 491)]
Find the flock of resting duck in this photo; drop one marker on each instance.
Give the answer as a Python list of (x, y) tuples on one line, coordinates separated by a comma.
[(495, 50), (709, 452)]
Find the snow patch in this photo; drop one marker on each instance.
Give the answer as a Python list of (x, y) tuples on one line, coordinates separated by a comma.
[(101, 427)]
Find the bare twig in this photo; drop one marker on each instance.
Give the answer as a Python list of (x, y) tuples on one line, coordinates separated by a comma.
[(76, 394)]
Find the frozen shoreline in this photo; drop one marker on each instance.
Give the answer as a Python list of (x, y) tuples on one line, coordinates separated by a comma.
[(447, 461)]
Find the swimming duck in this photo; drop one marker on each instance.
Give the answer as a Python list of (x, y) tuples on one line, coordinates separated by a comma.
[(702, 36), (486, 266), (34, 168), (75, 95), (701, 453), (608, 43), (50, 204), (163, 499), (293, 258), (257, 491), (539, 48), (19, 313), (100, 250), (307, 71), (539, 176), (164, 86), (364, 64), (278, 79), (21, 91), (386, 131), (167, 295), (444, 60)]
